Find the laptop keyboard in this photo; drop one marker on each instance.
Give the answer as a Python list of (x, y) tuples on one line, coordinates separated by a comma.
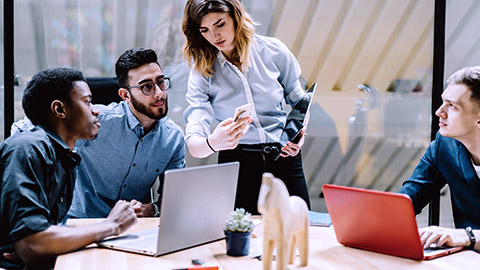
[(436, 249), (149, 243), (144, 240)]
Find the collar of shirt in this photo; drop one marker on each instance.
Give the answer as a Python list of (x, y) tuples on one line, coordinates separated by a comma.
[(222, 60), (134, 124), (61, 144), (55, 137), (476, 168), (131, 119)]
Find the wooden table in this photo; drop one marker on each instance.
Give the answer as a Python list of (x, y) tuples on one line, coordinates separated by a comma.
[(325, 253)]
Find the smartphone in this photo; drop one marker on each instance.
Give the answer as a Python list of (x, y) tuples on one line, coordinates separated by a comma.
[(242, 111), (297, 137)]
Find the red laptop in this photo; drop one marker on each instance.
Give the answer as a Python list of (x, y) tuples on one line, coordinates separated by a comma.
[(378, 221)]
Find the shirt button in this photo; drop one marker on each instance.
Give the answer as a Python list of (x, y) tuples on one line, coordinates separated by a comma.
[(124, 185), (61, 199), (141, 140), (157, 170), (134, 165)]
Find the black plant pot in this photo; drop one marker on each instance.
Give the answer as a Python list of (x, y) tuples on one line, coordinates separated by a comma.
[(238, 243)]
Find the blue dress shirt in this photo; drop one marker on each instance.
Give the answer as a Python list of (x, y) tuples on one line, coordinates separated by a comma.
[(447, 161), (122, 163), (271, 77)]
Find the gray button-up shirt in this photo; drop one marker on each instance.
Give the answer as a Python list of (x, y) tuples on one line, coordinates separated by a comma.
[(272, 76)]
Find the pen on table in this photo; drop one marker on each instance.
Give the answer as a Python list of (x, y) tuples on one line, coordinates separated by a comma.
[(198, 267)]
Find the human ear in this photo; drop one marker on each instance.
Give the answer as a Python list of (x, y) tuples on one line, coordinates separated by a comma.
[(477, 123), (58, 109), (124, 94)]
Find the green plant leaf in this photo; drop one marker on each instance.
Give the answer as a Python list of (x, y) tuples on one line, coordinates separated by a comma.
[(239, 221)]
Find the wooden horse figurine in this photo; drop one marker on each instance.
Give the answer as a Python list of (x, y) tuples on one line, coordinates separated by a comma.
[(285, 220)]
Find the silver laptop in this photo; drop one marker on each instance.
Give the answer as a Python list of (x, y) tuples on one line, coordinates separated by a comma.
[(196, 202)]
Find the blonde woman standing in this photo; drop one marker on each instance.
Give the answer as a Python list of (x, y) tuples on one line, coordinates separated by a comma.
[(233, 66)]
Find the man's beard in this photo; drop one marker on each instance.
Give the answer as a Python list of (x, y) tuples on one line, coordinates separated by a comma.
[(151, 114)]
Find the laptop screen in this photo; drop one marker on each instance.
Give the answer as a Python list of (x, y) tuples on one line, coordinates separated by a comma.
[(196, 201), (378, 221)]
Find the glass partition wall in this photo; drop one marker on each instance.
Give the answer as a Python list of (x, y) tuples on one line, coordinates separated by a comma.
[(462, 40), (372, 60)]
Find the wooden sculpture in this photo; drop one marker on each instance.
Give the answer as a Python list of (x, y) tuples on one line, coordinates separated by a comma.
[(285, 220)]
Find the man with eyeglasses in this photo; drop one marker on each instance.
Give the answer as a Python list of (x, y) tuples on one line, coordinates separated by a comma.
[(136, 144)]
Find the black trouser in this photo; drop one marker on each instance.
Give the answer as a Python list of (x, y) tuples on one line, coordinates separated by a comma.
[(254, 161)]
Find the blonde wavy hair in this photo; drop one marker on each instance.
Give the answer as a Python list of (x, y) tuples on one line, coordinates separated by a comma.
[(198, 50)]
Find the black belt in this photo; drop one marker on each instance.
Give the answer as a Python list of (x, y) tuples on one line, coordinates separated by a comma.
[(266, 148)]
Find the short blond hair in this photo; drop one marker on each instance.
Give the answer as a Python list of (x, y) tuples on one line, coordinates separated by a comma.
[(470, 77)]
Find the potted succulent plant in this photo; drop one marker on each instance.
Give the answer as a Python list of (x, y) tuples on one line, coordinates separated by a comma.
[(238, 230)]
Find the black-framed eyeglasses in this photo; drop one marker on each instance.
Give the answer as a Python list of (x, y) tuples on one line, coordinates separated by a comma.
[(149, 88)]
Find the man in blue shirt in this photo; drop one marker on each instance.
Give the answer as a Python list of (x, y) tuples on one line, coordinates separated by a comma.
[(453, 158), (37, 174), (136, 144)]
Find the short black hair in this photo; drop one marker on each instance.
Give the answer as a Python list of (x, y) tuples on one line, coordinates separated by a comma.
[(131, 59), (45, 87)]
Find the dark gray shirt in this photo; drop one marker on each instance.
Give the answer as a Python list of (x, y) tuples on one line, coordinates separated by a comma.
[(37, 176)]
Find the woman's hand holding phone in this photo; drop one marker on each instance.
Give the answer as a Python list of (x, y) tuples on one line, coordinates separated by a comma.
[(229, 132), (242, 111)]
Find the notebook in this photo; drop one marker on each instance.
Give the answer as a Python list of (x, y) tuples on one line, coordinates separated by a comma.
[(196, 202), (377, 221), (319, 219)]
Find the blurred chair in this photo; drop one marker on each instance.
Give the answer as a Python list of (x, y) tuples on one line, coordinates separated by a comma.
[(357, 135), (104, 90), (332, 165)]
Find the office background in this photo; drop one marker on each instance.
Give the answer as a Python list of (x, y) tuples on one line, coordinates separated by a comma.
[(369, 138)]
